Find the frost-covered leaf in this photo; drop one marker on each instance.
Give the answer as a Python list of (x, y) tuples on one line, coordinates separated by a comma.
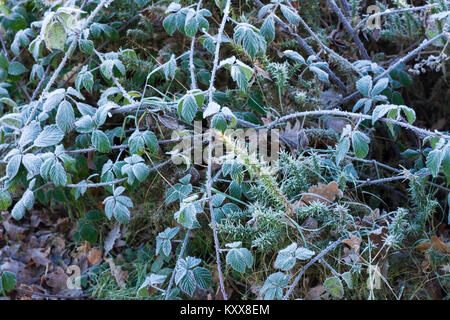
[(85, 124), (334, 287), (250, 38), (211, 109), (135, 168), (139, 140), (50, 136), (360, 143), (185, 278), (163, 240), (16, 68), (65, 116), (290, 14), (379, 86), (303, 253), (100, 141), (188, 107), (321, 75), (240, 259), (294, 56), (151, 281), (12, 120), (434, 160), (341, 149), (274, 285), (364, 85), (286, 258), (12, 168), (117, 206), (268, 28), (55, 35)]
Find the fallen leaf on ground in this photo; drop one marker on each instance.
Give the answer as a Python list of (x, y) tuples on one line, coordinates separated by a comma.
[(57, 279), (372, 217), (315, 292), (113, 235), (94, 257), (322, 193), (83, 250), (39, 258), (120, 275), (437, 244), (13, 231), (377, 236), (354, 242)]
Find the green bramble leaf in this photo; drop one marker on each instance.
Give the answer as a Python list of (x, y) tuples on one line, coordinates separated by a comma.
[(16, 68), (334, 287), (268, 28), (274, 285), (360, 143), (50, 136), (239, 258), (364, 85), (55, 36), (5, 199), (250, 38), (8, 280), (100, 141), (65, 116)]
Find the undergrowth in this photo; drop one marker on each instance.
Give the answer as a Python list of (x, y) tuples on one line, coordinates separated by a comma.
[(334, 183)]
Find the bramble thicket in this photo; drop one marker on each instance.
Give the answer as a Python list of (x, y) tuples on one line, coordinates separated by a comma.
[(103, 104)]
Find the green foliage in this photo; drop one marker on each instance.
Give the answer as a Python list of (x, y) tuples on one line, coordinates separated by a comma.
[(239, 258), (274, 285), (287, 257), (7, 282), (90, 96), (188, 275)]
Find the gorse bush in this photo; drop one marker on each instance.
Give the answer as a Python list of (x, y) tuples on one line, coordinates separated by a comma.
[(91, 92)]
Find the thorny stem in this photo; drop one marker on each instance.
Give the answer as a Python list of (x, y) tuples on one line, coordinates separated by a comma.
[(419, 131), (191, 55), (385, 166), (209, 171), (116, 82), (388, 11), (349, 29), (309, 264), (40, 84), (396, 64), (172, 277), (320, 42)]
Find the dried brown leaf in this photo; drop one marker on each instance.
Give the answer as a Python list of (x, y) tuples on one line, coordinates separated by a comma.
[(94, 257), (322, 193)]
